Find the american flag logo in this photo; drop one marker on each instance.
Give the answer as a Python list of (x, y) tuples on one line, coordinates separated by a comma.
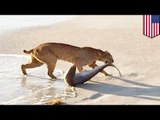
[(151, 25)]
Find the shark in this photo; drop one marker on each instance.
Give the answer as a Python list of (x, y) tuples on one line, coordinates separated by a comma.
[(72, 78)]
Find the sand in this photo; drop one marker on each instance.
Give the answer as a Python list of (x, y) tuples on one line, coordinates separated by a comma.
[(136, 55)]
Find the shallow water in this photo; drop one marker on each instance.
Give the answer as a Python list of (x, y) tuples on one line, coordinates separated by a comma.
[(35, 88)]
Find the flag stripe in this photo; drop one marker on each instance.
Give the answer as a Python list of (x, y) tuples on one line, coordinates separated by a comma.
[(152, 34), (157, 28), (144, 24), (150, 26)]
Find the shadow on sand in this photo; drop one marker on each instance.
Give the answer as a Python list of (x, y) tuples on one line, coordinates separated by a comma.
[(144, 91)]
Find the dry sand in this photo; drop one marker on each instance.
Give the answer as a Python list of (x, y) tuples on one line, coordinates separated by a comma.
[(134, 54)]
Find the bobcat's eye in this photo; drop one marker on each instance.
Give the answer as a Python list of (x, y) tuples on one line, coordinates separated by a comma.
[(106, 62)]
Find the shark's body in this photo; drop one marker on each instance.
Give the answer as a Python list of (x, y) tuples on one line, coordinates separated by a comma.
[(72, 78)]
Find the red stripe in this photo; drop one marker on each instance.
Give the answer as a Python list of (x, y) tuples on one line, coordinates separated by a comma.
[(152, 30), (148, 26), (157, 28), (143, 24)]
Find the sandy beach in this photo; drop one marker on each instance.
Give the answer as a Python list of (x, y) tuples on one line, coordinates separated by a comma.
[(136, 55)]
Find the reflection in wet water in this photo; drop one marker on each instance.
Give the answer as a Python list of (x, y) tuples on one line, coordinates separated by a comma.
[(41, 93), (36, 88)]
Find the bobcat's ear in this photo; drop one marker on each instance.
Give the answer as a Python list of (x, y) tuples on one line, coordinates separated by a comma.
[(106, 51), (99, 54)]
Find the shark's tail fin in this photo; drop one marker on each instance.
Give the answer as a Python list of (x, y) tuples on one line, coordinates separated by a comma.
[(28, 52)]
